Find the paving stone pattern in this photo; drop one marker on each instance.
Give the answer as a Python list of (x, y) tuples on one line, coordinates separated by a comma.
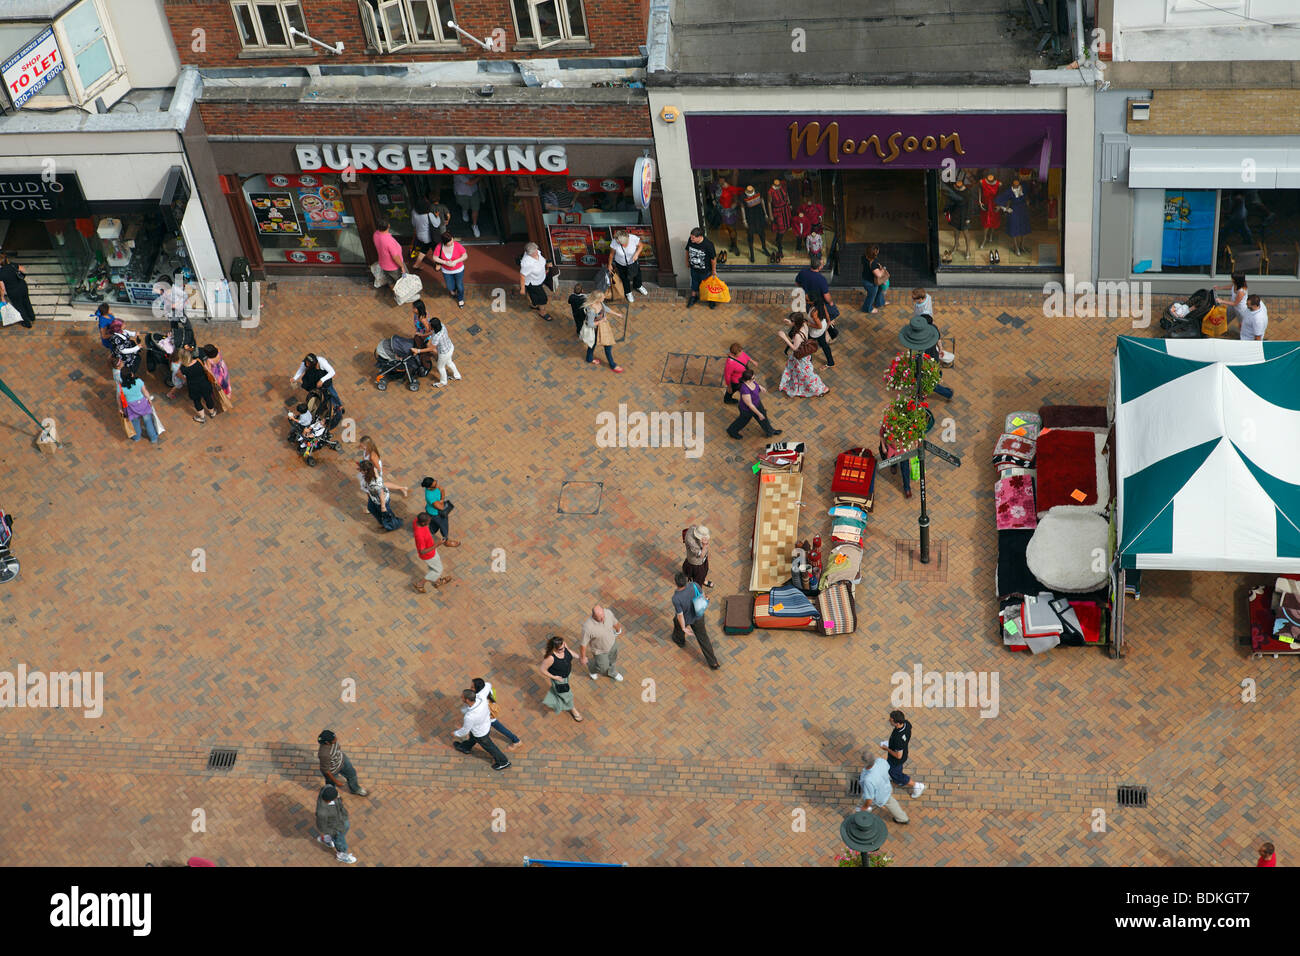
[(301, 598)]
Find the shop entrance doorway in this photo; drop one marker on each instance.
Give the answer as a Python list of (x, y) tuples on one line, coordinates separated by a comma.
[(487, 202), (891, 209), (52, 254)]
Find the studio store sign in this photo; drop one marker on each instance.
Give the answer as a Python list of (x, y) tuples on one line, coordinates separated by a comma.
[(431, 158)]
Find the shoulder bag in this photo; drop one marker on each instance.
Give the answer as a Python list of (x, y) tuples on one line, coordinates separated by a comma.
[(700, 603), (805, 348)]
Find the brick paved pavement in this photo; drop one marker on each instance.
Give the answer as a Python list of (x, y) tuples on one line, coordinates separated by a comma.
[(302, 593)]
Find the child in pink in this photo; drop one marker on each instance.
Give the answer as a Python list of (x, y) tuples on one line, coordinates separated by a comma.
[(737, 362)]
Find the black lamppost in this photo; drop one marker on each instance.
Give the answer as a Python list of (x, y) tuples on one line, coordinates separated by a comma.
[(920, 336), (863, 832)]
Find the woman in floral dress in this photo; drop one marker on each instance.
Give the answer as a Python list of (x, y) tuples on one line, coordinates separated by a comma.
[(799, 380)]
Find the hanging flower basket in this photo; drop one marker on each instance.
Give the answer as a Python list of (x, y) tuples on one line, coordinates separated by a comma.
[(905, 423), (901, 375), (855, 859)]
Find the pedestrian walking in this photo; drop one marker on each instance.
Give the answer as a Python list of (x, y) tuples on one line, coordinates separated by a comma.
[(751, 406), (199, 386), (427, 551), (469, 197), (335, 766), (576, 302), (1254, 320), (220, 375), (623, 256), (601, 632), (533, 269), (702, 258), (598, 331), (817, 293), (819, 330), (370, 452), (1240, 293), (139, 407), (316, 372), (450, 256), (438, 508), (483, 690), (556, 667), (875, 277), (423, 223), (332, 822), (923, 306), (389, 251), (1267, 855), (799, 380), (895, 748), (876, 790), (732, 370), (443, 351), (379, 502), (685, 617), (105, 319), (477, 728), (13, 289), (696, 538)]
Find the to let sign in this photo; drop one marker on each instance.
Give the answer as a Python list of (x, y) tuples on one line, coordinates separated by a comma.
[(32, 67)]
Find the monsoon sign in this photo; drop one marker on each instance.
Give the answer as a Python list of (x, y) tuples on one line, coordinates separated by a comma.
[(28, 70)]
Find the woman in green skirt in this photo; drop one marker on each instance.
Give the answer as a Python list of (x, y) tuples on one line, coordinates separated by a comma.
[(556, 667)]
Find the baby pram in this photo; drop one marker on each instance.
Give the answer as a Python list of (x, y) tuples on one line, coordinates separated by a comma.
[(311, 429), (160, 348), (393, 356), (8, 563), (1187, 325)]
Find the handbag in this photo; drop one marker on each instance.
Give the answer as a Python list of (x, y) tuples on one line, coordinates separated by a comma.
[(559, 688), (615, 287), (806, 348), (700, 603), (494, 709), (9, 314), (588, 336), (552, 277), (714, 289), (377, 271), (407, 289)]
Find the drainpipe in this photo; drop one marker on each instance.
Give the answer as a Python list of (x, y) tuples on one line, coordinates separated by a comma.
[(1078, 29)]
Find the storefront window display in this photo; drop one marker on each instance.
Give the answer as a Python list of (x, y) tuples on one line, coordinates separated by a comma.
[(767, 217), (1009, 212), (582, 214), (1258, 232), (120, 258), (302, 219)]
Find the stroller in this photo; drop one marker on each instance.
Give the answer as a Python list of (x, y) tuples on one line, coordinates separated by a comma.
[(1188, 325), (311, 428), (393, 356), (160, 348), (8, 563)]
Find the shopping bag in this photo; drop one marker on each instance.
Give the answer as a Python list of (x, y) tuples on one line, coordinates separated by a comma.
[(1215, 322), (9, 315), (126, 427), (714, 289), (588, 336), (615, 288), (699, 602), (157, 424), (407, 289), (377, 271)]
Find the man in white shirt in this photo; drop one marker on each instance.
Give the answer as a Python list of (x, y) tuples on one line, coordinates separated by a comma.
[(623, 255), (316, 372), (477, 726), (600, 633), (877, 790), (1254, 320)]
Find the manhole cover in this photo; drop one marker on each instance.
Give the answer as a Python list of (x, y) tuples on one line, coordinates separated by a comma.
[(474, 329), (580, 498), (75, 374)]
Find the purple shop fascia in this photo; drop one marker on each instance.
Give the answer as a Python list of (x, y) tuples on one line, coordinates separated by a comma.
[(864, 141)]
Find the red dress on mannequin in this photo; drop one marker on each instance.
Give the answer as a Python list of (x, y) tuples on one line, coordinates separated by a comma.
[(990, 218)]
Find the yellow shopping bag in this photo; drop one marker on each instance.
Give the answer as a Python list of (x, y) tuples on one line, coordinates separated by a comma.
[(714, 289)]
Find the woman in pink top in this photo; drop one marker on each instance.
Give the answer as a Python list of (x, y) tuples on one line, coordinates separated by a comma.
[(389, 251), (450, 256), (732, 370)]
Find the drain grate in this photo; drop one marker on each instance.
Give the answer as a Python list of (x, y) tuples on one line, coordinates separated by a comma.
[(1132, 797), (222, 758), (855, 787)]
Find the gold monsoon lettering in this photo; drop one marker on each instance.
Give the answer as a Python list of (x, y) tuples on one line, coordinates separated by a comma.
[(812, 138)]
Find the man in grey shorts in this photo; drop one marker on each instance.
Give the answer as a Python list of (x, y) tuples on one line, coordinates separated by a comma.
[(469, 196)]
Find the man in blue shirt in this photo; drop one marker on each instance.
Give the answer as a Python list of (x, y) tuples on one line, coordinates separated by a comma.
[(877, 791), (685, 618), (817, 293)]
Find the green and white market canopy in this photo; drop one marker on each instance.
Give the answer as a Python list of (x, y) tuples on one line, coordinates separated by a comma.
[(1207, 446)]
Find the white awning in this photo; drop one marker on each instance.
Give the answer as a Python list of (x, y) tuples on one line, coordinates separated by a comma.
[(1161, 167)]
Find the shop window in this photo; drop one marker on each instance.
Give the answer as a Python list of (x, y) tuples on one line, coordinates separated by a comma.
[(92, 61), (392, 25), (126, 256), (1259, 232), (268, 25), (773, 226), (302, 219), (582, 213), (1010, 211), (543, 23)]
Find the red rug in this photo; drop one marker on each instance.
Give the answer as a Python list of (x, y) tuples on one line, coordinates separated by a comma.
[(1067, 462)]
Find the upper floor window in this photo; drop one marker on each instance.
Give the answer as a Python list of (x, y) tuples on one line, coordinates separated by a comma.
[(548, 22), (92, 61), (392, 25), (265, 24)]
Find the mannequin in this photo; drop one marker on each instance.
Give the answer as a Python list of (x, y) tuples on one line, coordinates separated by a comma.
[(1016, 204), (958, 205), (755, 221), (780, 211), (990, 218), (729, 197)]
